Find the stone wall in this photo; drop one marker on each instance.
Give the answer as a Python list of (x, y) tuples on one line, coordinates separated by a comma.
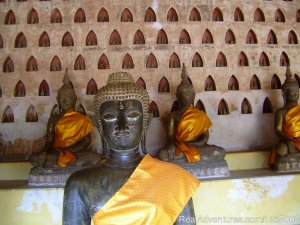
[(240, 45)]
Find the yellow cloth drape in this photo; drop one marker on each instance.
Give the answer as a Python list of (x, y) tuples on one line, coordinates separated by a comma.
[(155, 194), (68, 130), (192, 124)]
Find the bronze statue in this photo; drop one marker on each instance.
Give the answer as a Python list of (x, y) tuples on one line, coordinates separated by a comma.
[(118, 191), (68, 134), (286, 154)]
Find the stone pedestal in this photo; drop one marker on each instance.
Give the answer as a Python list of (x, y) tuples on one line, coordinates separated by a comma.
[(288, 163)]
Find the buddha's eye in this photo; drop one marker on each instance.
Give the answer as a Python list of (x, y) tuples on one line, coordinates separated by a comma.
[(133, 115), (109, 117)]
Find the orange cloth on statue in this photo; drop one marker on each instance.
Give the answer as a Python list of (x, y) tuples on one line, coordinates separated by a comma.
[(192, 124), (291, 128), (155, 194), (70, 129)]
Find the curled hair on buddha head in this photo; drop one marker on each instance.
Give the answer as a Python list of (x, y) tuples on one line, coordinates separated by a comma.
[(121, 86), (290, 81)]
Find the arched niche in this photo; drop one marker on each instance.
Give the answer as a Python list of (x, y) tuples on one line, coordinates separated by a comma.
[(267, 106), (162, 37), (151, 61), (229, 37), (174, 61), (32, 64), (81, 109), (91, 39), (20, 41), (175, 106), (79, 63), (0, 91), (55, 64), (150, 15), (297, 79), (233, 83), (139, 38), (251, 37), (284, 59), (102, 15), (207, 37), (210, 84), (172, 15), (44, 40), (32, 17), (126, 16), (279, 16), (221, 60), (10, 18), (259, 15), (20, 89), (199, 105), (243, 59), (238, 15), (297, 18), (91, 88), (55, 110), (272, 39), (115, 38), (255, 83), (1, 41), (67, 40), (127, 62), (217, 15), (8, 65), (79, 16), (223, 108), (197, 60), (8, 115), (275, 82), (264, 59), (163, 85), (292, 38), (31, 114), (103, 62), (184, 37), (140, 82), (246, 107), (195, 15), (44, 89), (56, 16), (153, 109)]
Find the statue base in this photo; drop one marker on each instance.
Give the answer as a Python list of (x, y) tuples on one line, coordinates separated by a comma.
[(205, 169), (288, 163)]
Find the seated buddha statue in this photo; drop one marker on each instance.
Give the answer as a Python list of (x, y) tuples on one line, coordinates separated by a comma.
[(286, 154), (68, 134), (187, 129), (129, 187)]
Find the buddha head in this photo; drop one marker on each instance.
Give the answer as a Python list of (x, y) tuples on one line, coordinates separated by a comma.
[(122, 113), (185, 90), (290, 88), (66, 96)]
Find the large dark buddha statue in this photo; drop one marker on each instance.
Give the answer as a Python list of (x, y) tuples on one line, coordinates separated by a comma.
[(68, 134), (286, 154), (128, 188)]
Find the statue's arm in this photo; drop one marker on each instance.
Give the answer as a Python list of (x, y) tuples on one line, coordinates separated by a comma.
[(278, 124), (74, 210), (82, 144), (168, 151), (50, 135)]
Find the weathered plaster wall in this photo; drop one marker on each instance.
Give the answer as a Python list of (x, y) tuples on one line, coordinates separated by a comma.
[(235, 131)]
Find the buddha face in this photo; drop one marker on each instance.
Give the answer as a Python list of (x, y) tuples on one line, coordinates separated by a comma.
[(122, 123), (66, 99), (291, 95), (186, 96)]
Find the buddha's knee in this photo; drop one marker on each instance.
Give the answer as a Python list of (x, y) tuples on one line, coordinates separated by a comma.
[(281, 149)]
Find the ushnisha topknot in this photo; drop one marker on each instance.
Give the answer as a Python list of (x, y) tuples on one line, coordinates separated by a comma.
[(121, 86), (290, 81), (67, 85)]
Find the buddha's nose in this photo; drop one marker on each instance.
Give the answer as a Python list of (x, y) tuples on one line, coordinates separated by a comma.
[(122, 124)]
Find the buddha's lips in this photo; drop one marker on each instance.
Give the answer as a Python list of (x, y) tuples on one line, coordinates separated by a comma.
[(122, 133)]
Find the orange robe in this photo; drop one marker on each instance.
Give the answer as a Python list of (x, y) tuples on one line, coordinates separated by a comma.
[(192, 124), (70, 129), (155, 194)]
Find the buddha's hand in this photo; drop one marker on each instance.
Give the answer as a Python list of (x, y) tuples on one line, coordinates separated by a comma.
[(167, 153)]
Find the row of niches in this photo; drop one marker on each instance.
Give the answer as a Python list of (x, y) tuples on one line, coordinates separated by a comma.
[(161, 38), (150, 16), (163, 85), (8, 65), (223, 109)]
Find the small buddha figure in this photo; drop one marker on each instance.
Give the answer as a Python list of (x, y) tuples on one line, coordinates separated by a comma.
[(128, 188), (286, 154), (187, 129), (68, 134)]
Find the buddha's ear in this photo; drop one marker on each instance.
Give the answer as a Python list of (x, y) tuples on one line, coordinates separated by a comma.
[(143, 142)]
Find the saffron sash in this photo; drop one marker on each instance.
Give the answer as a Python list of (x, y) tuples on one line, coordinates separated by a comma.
[(192, 124), (155, 194)]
